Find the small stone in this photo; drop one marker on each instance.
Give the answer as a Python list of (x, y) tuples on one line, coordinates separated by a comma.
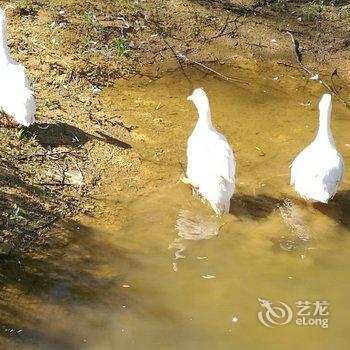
[(96, 90)]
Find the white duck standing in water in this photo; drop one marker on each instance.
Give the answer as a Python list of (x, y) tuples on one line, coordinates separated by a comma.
[(17, 103), (210, 160), (318, 170)]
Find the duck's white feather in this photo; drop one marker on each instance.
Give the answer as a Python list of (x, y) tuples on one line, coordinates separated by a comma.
[(16, 96), (210, 160), (318, 170)]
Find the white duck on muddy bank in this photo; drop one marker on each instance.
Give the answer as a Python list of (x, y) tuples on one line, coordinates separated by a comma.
[(318, 170), (17, 103), (210, 160)]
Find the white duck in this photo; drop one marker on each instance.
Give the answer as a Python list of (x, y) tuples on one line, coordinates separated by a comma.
[(318, 170), (16, 97), (210, 160)]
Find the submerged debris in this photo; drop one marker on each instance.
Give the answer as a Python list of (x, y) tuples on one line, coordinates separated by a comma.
[(208, 277)]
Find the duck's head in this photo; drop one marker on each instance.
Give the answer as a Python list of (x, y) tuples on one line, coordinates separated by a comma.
[(201, 101), (198, 96), (325, 103)]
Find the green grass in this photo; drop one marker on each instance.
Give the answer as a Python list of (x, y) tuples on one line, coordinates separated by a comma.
[(312, 10), (91, 18), (135, 4), (121, 46)]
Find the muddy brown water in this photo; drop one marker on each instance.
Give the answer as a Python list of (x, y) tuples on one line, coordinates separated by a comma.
[(171, 275)]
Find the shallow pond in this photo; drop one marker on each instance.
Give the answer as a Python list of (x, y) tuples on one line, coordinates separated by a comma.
[(171, 275)]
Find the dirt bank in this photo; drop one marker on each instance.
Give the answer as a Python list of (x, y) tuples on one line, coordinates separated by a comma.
[(81, 146)]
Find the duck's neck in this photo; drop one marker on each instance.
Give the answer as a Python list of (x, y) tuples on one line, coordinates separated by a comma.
[(324, 133), (4, 50), (204, 115)]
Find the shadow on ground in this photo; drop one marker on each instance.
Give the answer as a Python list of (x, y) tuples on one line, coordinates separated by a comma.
[(62, 134), (38, 187), (25, 210), (37, 289)]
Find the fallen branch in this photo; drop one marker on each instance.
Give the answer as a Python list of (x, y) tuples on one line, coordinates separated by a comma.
[(50, 155), (299, 56), (313, 75), (53, 184), (179, 61), (181, 58), (185, 59), (222, 34), (223, 31)]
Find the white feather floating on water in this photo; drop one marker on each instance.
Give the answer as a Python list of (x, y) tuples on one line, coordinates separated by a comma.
[(210, 160), (16, 96), (318, 170)]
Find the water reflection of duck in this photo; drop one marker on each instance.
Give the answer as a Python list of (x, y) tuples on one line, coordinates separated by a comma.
[(196, 227), (210, 160), (193, 227), (17, 102), (318, 170)]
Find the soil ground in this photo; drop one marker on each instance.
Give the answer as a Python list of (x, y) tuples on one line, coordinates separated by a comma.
[(72, 50)]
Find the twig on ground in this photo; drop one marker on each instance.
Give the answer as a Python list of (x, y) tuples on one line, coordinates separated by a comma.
[(222, 34), (181, 58), (223, 31), (199, 64), (179, 61), (50, 155), (312, 75), (298, 54), (53, 184)]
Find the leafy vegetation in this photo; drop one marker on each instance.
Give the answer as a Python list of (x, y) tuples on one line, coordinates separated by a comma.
[(121, 46)]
